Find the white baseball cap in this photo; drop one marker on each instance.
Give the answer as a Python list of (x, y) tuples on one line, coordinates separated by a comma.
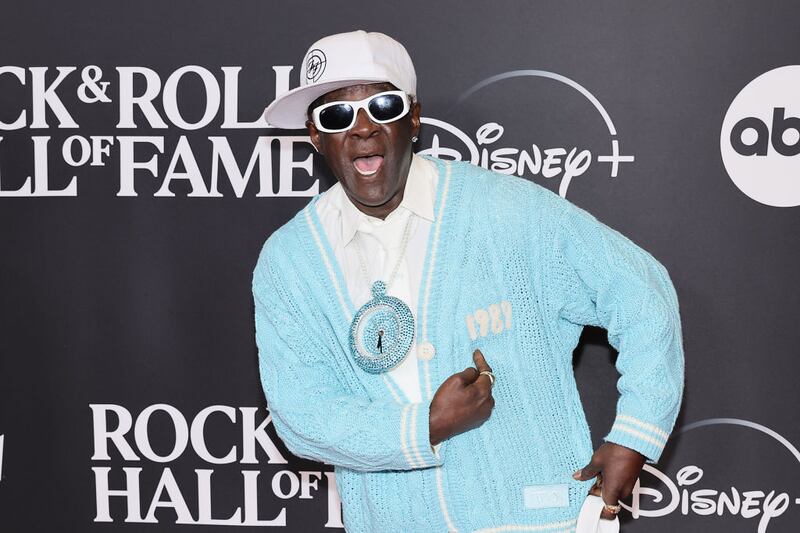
[(339, 61)]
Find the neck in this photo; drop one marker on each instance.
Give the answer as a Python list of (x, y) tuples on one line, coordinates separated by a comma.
[(382, 211)]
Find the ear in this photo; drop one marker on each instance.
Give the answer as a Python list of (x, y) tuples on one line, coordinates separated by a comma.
[(415, 122), (315, 136)]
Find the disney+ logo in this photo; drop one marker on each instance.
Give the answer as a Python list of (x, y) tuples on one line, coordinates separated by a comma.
[(690, 495), (552, 161)]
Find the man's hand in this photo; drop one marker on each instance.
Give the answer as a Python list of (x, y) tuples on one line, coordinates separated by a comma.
[(617, 469), (464, 401)]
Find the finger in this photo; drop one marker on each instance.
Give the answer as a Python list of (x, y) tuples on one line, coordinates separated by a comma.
[(469, 375), (480, 362), (587, 472), (484, 386), (607, 515), (610, 495)]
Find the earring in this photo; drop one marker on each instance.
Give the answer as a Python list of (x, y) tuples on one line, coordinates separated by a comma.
[(414, 139)]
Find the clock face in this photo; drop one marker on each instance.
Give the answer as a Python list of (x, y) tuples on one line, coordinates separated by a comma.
[(381, 334), (377, 331)]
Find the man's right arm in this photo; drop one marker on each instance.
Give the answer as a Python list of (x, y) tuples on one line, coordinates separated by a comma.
[(314, 415), (318, 418)]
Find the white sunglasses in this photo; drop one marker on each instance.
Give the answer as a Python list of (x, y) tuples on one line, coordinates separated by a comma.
[(335, 117)]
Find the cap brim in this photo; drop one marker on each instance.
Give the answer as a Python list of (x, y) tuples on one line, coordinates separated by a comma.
[(289, 109)]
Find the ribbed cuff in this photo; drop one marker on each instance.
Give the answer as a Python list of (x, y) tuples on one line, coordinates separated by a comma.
[(640, 435), (415, 437)]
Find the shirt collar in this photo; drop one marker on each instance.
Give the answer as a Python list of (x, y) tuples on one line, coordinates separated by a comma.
[(418, 198)]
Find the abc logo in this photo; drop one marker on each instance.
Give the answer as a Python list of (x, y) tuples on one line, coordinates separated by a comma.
[(783, 128), (760, 138)]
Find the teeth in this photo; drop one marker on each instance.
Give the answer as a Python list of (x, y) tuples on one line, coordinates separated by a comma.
[(367, 173), (368, 165)]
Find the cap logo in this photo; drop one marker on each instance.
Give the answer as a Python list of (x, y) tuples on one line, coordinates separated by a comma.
[(315, 64)]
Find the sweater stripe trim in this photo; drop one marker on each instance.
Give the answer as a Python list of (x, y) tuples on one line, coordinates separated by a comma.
[(427, 370), (432, 262), (391, 388), (638, 434), (451, 528), (431, 268), (424, 315), (644, 425), (403, 439), (413, 436), (326, 260), (566, 525)]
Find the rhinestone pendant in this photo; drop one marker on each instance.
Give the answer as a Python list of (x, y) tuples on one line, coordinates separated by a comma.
[(382, 332)]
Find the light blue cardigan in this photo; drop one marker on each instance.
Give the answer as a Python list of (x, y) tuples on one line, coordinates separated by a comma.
[(516, 271)]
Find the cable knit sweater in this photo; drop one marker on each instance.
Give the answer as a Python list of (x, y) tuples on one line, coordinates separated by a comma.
[(516, 271)]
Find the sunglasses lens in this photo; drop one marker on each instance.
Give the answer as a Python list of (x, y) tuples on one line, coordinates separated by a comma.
[(386, 107), (337, 117)]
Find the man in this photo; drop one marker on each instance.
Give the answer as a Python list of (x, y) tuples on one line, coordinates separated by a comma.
[(370, 302)]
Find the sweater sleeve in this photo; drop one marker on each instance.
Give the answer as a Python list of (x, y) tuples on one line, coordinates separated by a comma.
[(314, 414), (606, 280)]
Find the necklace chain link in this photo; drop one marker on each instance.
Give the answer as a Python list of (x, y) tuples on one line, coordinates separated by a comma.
[(403, 246)]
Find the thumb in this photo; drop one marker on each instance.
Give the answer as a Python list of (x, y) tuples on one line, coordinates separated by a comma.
[(480, 361), (587, 472)]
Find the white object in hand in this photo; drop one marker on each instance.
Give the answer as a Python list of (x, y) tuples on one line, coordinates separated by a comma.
[(589, 520)]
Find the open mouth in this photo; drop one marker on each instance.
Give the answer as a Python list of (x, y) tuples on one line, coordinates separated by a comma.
[(368, 165)]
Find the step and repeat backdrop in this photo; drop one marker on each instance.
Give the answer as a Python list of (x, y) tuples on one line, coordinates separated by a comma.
[(138, 181)]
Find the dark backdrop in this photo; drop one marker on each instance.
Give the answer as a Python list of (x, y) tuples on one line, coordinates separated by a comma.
[(118, 306)]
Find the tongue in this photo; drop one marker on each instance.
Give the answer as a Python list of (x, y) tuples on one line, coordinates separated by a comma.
[(368, 164)]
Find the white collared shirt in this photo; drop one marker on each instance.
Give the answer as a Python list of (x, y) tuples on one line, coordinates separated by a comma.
[(381, 243)]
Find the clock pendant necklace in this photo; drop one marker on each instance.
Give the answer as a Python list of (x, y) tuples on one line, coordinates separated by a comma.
[(382, 330)]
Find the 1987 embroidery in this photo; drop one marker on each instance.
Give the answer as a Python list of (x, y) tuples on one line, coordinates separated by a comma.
[(495, 318)]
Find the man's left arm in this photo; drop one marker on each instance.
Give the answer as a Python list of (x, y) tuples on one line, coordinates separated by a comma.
[(604, 279)]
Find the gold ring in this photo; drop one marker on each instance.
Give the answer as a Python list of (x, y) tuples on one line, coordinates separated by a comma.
[(611, 508), (488, 373)]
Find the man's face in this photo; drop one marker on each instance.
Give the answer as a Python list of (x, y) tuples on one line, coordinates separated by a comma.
[(370, 160)]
